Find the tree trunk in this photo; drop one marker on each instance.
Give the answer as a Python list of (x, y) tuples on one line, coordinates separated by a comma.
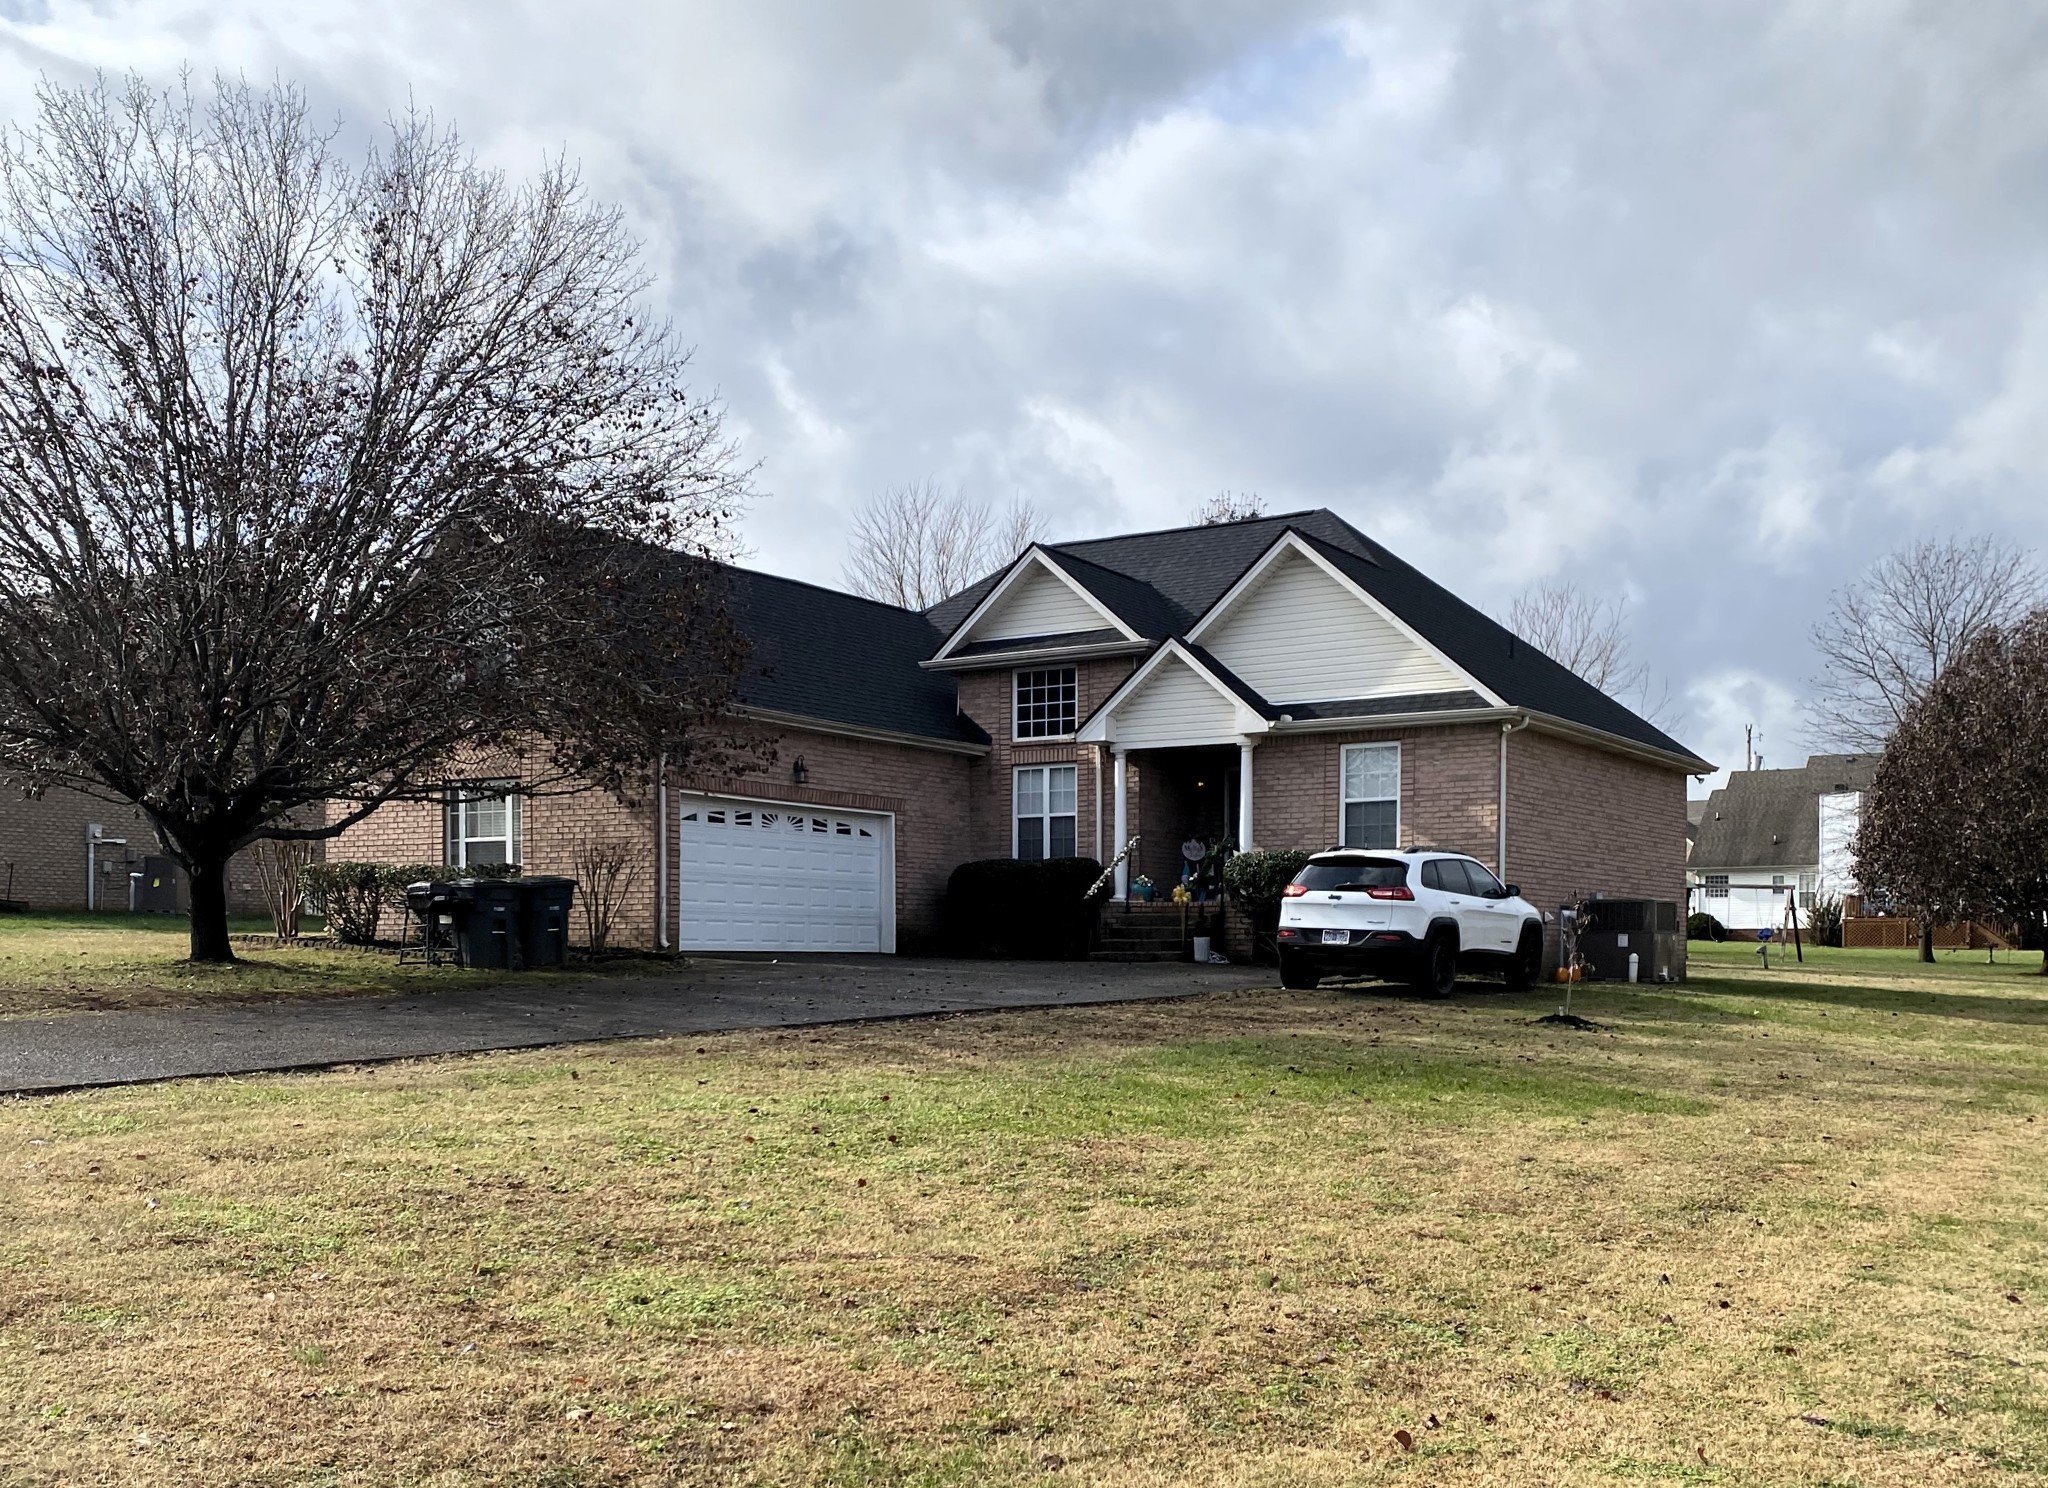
[(208, 881), (1927, 941)]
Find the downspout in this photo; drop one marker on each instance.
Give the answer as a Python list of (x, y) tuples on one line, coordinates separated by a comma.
[(1500, 857), (661, 855)]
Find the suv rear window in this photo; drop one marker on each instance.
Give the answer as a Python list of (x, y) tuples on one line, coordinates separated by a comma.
[(1354, 873)]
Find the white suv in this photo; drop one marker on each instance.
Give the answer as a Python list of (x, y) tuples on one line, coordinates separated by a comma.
[(1418, 917)]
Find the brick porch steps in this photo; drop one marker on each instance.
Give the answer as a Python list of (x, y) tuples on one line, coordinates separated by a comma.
[(1141, 932)]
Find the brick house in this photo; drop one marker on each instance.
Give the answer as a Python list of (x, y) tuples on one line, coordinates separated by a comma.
[(1282, 682), (64, 850)]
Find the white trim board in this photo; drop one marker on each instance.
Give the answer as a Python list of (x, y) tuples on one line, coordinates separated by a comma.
[(1101, 725), (1033, 561)]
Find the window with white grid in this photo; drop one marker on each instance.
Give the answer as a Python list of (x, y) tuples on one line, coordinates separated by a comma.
[(1372, 795), (1046, 701), (1045, 798)]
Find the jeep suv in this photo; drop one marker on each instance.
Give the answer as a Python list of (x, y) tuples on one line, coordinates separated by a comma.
[(1418, 917)]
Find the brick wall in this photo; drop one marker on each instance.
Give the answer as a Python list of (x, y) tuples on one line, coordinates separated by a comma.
[(42, 842), (988, 697), (1582, 820), (925, 789), (1450, 779)]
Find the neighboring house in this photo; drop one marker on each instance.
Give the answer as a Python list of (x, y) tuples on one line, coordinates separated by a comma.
[(65, 850), (1771, 834), (1278, 682)]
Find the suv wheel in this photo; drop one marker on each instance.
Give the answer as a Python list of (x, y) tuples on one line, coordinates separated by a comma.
[(1436, 966), (1296, 973), (1527, 967)]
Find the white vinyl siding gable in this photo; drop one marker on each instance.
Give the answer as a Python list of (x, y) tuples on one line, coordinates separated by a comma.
[(1041, 604), (1174, 706), (1301, 637)]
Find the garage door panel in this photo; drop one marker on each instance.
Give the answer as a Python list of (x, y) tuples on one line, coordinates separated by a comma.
[(754, 877)]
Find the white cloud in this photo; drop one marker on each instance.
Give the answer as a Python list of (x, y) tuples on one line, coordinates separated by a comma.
[(1703, 304)]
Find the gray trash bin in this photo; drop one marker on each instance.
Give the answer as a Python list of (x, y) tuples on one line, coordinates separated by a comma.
[(544, 903), (489, 934)]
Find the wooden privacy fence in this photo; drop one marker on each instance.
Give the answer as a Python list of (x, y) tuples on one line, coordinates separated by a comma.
[(1902, 932)]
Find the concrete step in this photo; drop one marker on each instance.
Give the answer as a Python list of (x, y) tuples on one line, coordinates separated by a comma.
[(1173, 955)]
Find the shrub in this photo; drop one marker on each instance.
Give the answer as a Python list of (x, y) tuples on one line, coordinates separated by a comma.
[(1824, 921), (1700, 925), (350, 894), (1255, 879), (1040, 910), (354, 895)]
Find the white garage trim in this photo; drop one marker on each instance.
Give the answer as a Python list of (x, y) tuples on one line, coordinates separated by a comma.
[(754, 874)]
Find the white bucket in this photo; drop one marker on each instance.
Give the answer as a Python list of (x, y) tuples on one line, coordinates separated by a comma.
[(1201, 950)]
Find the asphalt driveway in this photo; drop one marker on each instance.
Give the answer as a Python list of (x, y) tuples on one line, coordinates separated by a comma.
[(702, 996)]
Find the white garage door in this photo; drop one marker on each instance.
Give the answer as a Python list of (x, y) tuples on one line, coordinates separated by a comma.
[(758, 877)]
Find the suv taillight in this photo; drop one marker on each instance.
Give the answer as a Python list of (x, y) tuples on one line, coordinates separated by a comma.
[(1294, 891), (1396, 892)]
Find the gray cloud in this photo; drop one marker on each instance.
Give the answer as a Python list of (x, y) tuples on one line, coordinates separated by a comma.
[(1706, 306)]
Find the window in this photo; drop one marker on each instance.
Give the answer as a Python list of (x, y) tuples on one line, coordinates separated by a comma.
[(481, 822), (1484, 884), (1045, 703), (1045, 811), (1354, 874), (1372, 795), (1444, 876), (1717, 886)]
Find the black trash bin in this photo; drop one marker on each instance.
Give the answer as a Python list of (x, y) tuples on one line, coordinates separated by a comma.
[(488, 934), (544, 903)]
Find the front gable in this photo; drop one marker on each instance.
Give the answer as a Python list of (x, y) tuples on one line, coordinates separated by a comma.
[(1168, 703), (1034, 599), (1296, 633)]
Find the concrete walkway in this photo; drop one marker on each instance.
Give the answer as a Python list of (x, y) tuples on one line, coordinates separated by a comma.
[(704, 996)]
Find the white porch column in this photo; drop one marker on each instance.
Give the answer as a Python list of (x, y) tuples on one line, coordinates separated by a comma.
[(1244, 795), (1123, 832)]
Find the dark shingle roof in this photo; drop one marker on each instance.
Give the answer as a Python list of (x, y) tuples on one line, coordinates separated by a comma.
[(818, 653), (1770, 818), (1160, 583)]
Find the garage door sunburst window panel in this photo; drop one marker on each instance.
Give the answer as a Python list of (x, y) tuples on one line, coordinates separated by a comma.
[(1372, 796), (1045, 796), (1047, 703)]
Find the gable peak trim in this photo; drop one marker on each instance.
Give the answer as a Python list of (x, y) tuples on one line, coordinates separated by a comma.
[(1036, 558)]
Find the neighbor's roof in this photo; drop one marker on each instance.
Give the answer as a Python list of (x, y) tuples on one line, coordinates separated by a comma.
[(819, 653), (1771, 818), (1160, 583)]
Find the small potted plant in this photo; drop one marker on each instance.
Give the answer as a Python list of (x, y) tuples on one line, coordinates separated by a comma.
[(1141, 888)]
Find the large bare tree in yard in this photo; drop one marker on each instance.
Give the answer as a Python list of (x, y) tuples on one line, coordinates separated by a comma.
[(915, 544), (1887, 636), (1588, 635), (317, 480), (1955, 823)]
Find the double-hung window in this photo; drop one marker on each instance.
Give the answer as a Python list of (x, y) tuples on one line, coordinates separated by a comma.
[(481, 824), (1372, 795), (1045, 811), (1046, 700)]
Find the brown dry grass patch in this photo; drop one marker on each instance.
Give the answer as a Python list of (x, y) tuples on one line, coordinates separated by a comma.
[(1751, 1232)]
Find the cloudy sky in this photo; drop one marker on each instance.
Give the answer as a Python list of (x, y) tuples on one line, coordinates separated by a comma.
[(1703, 306)]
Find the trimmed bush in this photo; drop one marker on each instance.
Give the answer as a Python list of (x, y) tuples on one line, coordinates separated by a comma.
[(1037, 911), (354, 895), (1702, 926), (1255, 880)]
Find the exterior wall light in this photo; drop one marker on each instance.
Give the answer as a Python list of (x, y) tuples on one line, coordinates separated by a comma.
[(800, 772)]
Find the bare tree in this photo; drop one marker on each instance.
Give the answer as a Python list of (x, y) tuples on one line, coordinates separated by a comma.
[(1890, 634), (1589, 636), (1228, 506), (318, 482), (915, 544)]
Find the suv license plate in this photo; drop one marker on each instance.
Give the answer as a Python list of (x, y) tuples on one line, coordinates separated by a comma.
[(1336, 937)]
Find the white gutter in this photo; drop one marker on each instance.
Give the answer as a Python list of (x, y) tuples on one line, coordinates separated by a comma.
[(1500, 861), (992, 660), (661, 856)]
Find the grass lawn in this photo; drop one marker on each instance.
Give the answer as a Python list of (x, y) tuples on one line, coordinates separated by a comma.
[(89, 962), (1762, 1229)]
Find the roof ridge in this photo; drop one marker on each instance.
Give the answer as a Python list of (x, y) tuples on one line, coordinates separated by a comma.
[(1307, 511), (762, 573)]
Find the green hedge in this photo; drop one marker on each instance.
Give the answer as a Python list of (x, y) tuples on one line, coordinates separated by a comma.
[(1701, 926), (354, 895), (1040, 910), (1255, 880)]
